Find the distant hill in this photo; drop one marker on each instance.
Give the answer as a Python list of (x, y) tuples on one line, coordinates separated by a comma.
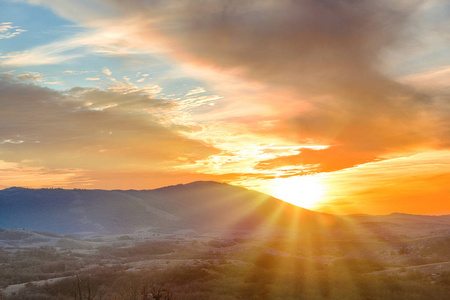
[(198, 205), (400, 226), (403, 218)]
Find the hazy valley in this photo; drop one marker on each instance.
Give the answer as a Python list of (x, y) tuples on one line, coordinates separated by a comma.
[(207, 240)]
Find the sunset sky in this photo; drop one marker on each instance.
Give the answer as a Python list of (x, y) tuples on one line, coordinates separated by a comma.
[(336, 106)]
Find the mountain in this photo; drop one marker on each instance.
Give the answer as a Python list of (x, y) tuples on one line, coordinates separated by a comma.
[(401, 226), (198, 205), (402, 218)]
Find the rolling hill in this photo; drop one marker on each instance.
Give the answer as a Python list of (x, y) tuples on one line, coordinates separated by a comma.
[(198, 205)]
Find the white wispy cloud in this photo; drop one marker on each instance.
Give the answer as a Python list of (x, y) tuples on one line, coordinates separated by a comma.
[(114, 41), (434, 78), (8, 30), (34, 76), (72, 72), (197, 90), (43, 55), (106, 71), (193, 102)]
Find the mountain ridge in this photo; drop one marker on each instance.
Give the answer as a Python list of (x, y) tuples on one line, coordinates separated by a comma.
[(200, 204), (209, 182)]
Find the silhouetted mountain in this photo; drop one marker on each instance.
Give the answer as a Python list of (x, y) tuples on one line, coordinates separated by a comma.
[(198, 205)]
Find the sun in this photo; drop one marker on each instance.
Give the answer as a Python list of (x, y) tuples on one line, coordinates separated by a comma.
[(303, 191)]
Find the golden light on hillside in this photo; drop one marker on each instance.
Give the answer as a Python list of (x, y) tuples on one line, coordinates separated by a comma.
[(303, 191)]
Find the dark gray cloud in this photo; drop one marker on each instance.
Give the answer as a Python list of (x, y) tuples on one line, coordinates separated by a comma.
[(319, 45), (331, 51)]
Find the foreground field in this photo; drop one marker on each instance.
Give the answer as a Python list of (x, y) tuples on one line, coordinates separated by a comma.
[(281, 264)]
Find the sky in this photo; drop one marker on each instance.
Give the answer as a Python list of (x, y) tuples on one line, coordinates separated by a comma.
[(336, 106)]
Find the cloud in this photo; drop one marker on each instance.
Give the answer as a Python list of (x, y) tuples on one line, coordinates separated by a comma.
[(53, 53), (437, 78), (192, 101), (19, 174), (72, 72), (113, 41), (7, 30), (90, 129), (195, 91), (391, 185), (30, 76), (107, 72), (329, 56)]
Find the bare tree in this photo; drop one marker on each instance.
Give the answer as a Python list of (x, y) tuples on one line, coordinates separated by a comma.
[(158, 293)]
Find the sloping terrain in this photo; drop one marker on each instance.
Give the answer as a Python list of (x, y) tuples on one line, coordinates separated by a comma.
[(406, 227), (198, 205)]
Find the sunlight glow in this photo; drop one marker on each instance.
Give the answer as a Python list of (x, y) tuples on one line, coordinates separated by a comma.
[(303, 191)]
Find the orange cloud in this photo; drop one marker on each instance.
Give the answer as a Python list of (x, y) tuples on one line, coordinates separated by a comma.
[(416, 184), (90, 129)]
